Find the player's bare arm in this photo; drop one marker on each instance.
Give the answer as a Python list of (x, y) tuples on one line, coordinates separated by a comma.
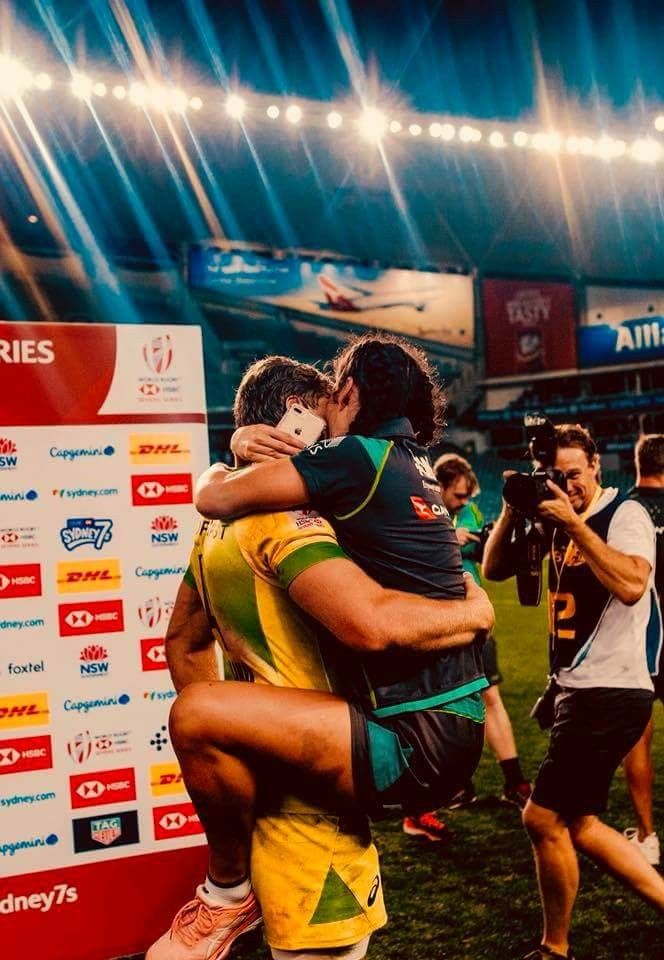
[(190, 644), (226, 495)]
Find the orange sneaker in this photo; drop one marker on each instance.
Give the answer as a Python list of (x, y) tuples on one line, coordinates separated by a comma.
[(426, 825), (203, 930)]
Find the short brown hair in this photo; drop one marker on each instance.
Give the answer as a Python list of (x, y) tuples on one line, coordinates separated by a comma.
[(267, 384), (574, 435), (649, 455), (450, 466)]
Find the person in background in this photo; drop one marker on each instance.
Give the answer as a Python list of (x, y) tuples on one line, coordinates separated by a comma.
[(458, 487), (639, 772)]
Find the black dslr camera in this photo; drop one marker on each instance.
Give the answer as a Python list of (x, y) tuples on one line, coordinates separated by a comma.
[(524, 492)]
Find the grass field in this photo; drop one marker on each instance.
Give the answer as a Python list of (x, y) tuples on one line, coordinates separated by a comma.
[(474, 897)]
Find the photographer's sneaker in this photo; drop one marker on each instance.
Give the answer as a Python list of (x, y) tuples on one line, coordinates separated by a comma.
[(649, 846), (518, 795), (426, 825), (203, 930)]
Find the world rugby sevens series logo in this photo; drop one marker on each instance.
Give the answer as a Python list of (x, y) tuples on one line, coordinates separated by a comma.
[(158, 353)]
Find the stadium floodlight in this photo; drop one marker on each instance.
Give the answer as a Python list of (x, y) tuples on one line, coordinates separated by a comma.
[(447, 131), (435, 130), (414, 129), (466, 134), (572, 144), (372, 124), (546, 141), (178, 100), (139, 94), (81, 87), (119, 92), (196, 103), (659, 122), (14, 78), (235, 106), (608, 149), (520, 138), (497, 139), (586, 146), (334, 120), (646, 150), (273, 111), (99, 89), (395, 126), (294, 113), (43, 81), (33, 218)]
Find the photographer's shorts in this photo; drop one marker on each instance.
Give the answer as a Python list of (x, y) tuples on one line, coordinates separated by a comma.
[(317, 878), (414, 762), (593, 730)]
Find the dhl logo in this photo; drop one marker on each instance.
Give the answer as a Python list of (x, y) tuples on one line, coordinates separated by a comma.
[(159, 448), (166, 779), (89, 576), (24, 710)]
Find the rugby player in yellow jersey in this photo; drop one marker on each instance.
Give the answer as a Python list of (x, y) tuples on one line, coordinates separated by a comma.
[(313, 866)]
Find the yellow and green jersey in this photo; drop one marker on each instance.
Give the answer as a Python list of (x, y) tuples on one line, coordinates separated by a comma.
[(242, 571)]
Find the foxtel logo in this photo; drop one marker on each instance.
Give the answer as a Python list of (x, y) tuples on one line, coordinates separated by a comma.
[(60, 894), (93, 616)]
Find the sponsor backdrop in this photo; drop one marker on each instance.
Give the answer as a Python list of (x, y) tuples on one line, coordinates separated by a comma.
[(102, 432), (621, 325), (430, 306), (529, 326)]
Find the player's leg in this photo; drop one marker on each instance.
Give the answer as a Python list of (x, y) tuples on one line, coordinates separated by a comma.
[(498, 730), (640, 777), (225, 732)]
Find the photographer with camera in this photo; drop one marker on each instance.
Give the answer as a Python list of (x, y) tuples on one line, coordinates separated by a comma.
[(458, 487), (603, 643)]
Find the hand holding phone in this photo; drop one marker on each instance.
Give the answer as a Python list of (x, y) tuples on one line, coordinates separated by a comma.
[(303, 424)]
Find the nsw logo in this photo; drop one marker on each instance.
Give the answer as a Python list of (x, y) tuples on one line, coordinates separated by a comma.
[(154, 489), (8, 454), (93, 661), (101, 787), (164, 531), (86, 531)]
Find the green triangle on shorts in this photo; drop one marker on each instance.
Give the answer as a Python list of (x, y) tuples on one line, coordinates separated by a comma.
[(336, 901)]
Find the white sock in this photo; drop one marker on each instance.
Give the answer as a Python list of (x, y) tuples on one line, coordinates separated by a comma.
[(226, 896)]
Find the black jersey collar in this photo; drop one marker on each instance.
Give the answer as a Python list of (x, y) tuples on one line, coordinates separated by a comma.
[(391, 429)]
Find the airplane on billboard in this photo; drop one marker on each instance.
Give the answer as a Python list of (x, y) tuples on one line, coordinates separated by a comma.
[(349, 299)]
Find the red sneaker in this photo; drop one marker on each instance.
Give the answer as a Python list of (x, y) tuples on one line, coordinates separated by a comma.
[(426, 825), (203, 930)]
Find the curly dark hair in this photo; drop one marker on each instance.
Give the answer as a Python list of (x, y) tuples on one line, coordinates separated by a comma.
[(394, 379), (267, 384)]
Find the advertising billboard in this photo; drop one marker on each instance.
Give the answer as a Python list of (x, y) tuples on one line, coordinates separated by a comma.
[(621, 325), (529, 326), (429, 306), (101, 430)]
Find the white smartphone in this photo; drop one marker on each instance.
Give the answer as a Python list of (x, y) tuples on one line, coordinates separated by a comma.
[(303, 424)]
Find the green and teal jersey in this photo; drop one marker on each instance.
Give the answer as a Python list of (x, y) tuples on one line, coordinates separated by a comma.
[(470, 518)]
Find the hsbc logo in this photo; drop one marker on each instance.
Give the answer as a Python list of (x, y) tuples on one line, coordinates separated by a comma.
[(154, 489), (102, 787), (153, 653), (25, 754), (428, 511), (149, 389), (96, 616), (20, 580), (179, 820)]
